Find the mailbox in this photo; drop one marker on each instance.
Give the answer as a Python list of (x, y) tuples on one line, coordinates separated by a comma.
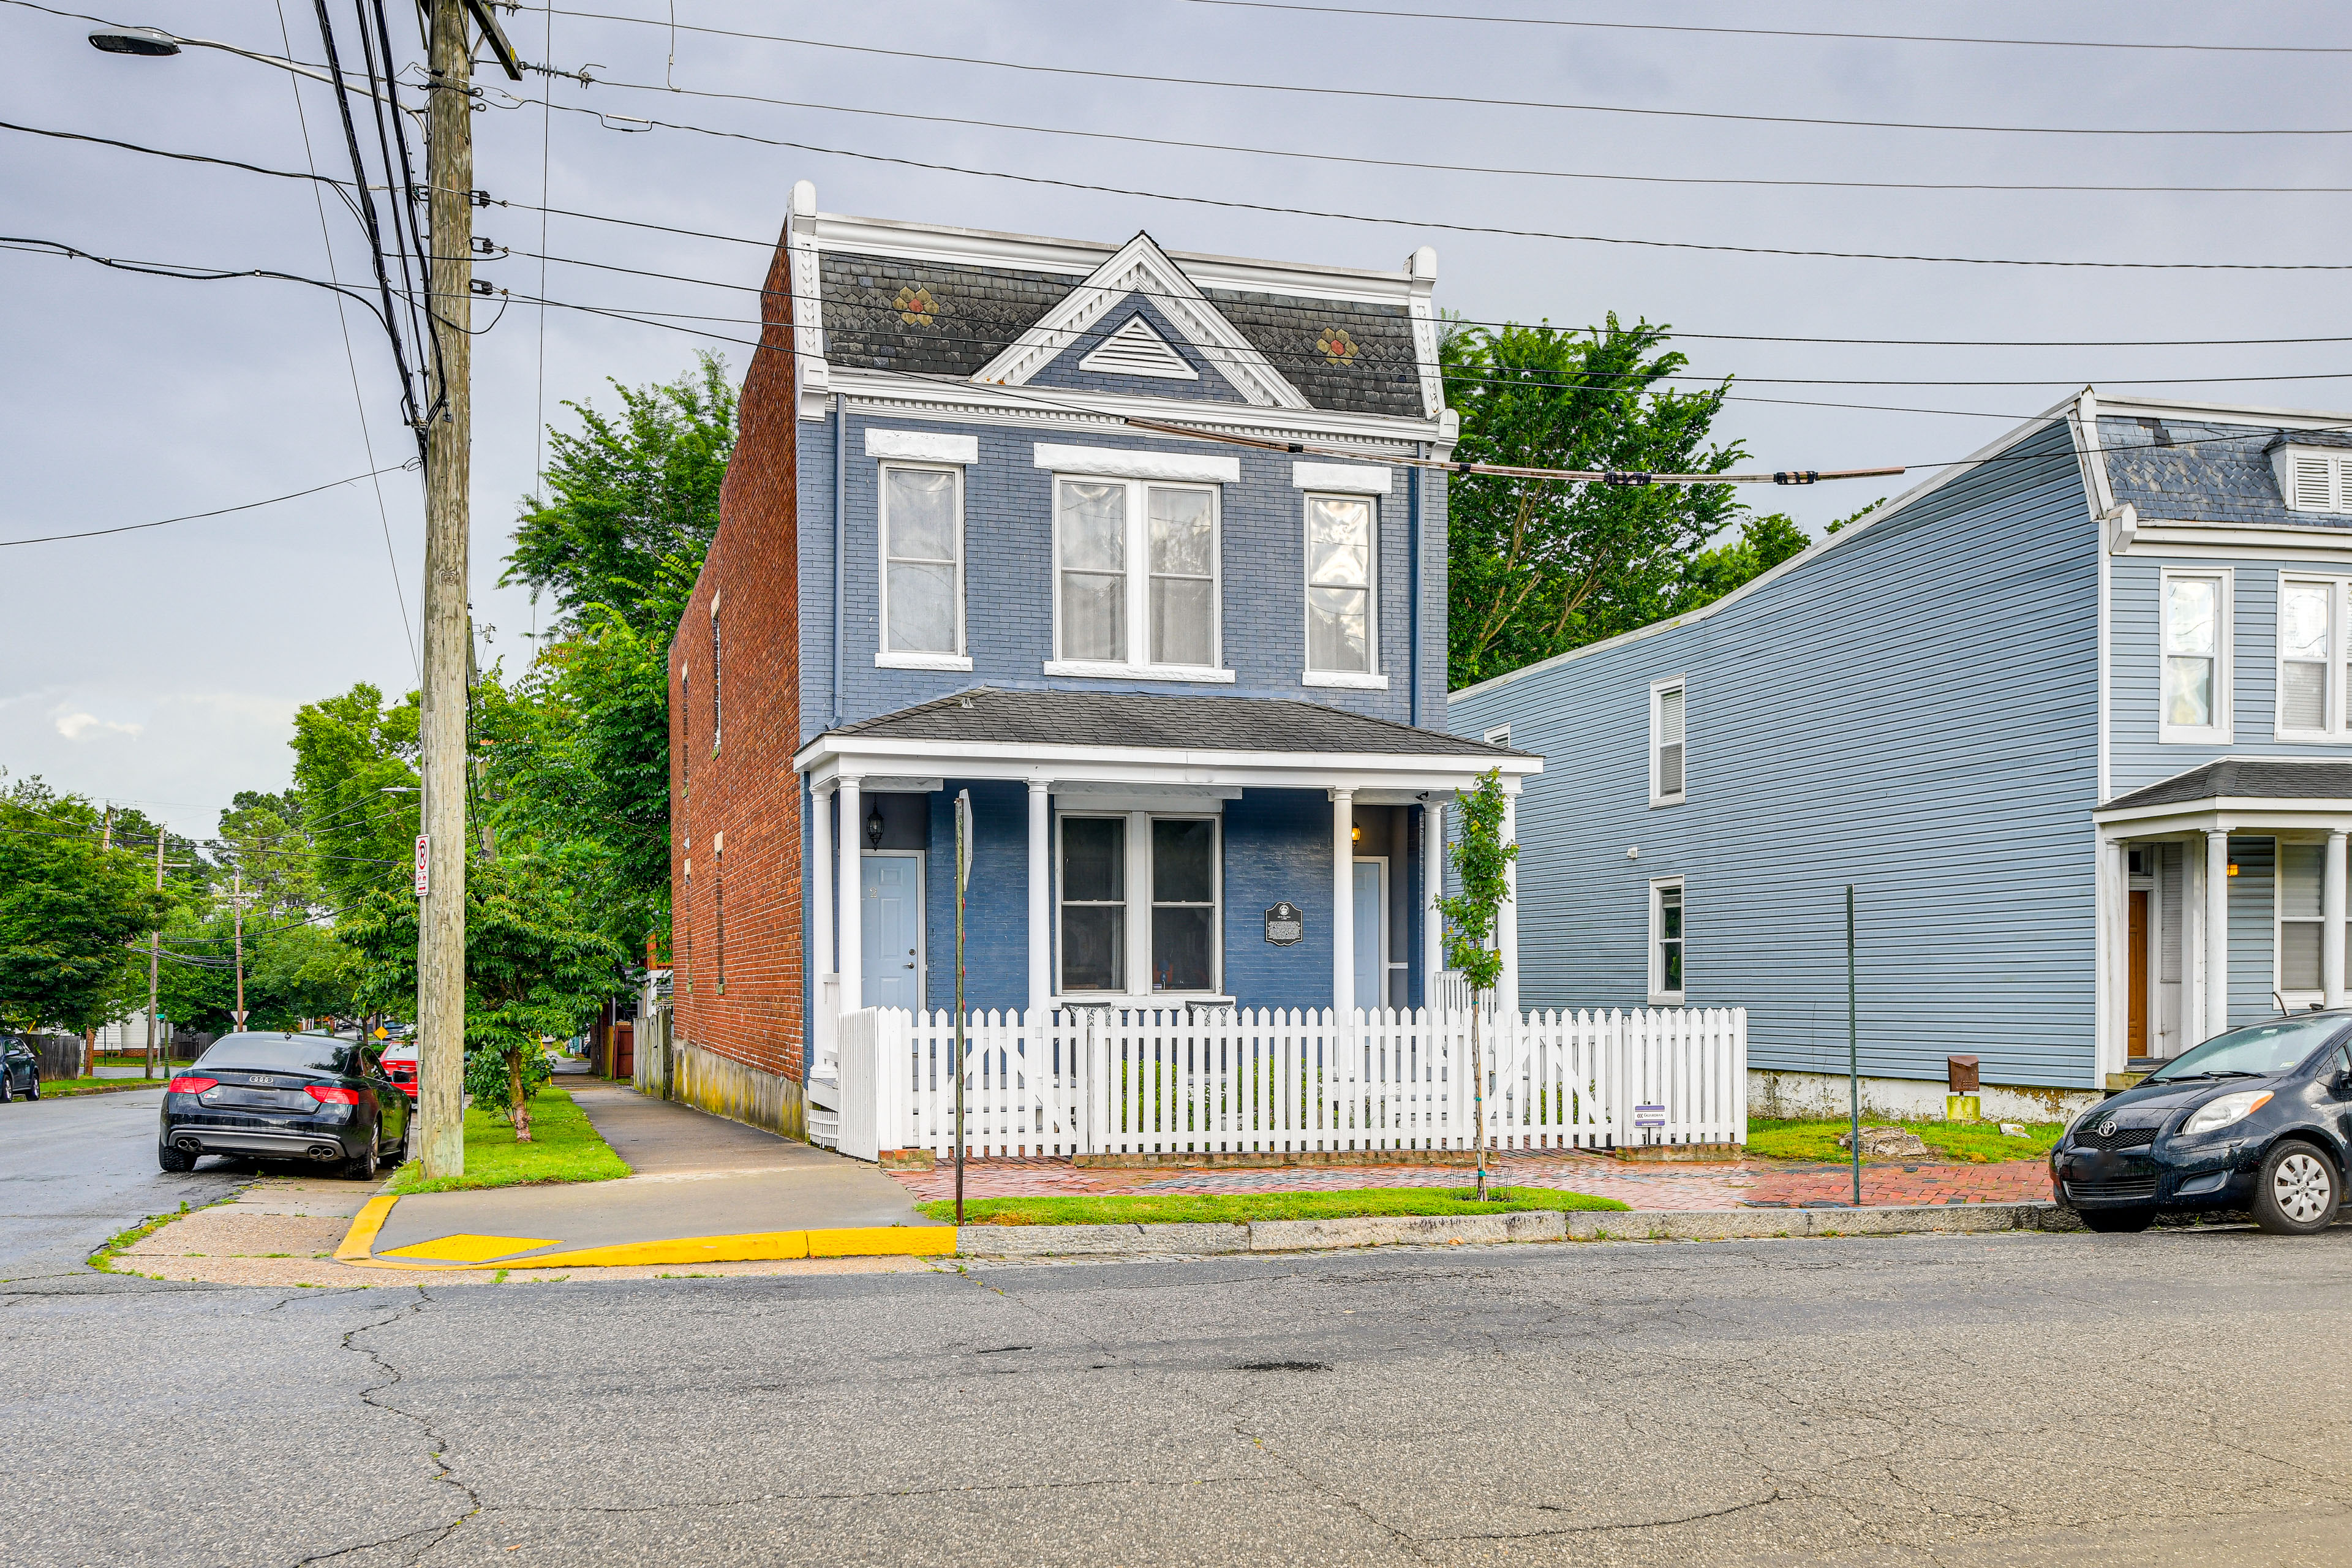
[(1961, 1073)]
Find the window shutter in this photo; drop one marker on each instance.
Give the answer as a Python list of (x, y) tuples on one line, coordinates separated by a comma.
[(1670, 742), (2313, 490)]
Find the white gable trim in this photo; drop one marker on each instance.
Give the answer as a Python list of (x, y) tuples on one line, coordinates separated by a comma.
[(1136, 350), (1141, 265)]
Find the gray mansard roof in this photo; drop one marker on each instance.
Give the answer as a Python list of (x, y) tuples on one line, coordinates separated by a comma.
[(2244, 778), (2182, 470), (993, 715)]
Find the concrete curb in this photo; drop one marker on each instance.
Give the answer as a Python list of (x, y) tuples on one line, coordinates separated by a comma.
[(1536, 1224), (358, 1246)]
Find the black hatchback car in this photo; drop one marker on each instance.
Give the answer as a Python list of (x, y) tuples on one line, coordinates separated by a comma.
[(2258, 1119), (20, 1069), (285, 1096)]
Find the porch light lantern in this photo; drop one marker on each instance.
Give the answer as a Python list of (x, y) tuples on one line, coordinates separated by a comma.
[(873, 828)]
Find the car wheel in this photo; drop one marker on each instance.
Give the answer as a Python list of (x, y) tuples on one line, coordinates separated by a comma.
[(360, 1167), (2297, 1191), (33, 1090), (7, 1087), (2118, 1221), (170, 1159)]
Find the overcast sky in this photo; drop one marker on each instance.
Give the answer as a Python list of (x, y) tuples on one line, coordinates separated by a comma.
[(164, 667)]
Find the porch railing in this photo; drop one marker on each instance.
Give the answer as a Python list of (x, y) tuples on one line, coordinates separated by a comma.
[(1113, 1080)]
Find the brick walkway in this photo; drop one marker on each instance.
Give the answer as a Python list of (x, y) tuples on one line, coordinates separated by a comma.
[(1748, 1183)]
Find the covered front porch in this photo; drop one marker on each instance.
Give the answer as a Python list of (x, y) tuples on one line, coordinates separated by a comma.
[(2222, 902)]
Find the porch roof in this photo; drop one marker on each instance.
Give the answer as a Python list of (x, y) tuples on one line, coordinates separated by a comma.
[(994, 731), (2245, 791)]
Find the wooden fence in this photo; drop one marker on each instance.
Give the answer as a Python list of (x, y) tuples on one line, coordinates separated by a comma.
[(1107, 1081)]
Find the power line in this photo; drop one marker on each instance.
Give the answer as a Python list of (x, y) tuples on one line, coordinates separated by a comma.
[(220, 512), (1391, 96), (1784, 32)]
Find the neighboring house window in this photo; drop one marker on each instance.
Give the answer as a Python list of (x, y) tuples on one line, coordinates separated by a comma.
[(715, 713), (1131, 554), (922, 570), (684, 729), (718, 910), (1340, 556), (1500, 735), (1667, 754), (1179, 880), (2300, 870), (687, 913), (2196, 653), (1666, 938), (2312, 693)]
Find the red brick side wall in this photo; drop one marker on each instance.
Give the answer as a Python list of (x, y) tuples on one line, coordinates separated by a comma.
[(744, 788)]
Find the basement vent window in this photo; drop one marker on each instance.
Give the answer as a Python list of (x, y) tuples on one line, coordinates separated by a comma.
[(1136, 350), (2313, 479)]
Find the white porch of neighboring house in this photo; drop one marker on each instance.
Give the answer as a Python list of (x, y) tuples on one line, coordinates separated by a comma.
[(1136, 760), (2222, 900)]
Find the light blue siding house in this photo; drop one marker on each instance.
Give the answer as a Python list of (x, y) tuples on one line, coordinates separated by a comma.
[(2074, 718)]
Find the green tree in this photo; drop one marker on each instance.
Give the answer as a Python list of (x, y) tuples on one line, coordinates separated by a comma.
[(1481, 869), (536, 966), (1540, 566), (70, 907), (355, 773)]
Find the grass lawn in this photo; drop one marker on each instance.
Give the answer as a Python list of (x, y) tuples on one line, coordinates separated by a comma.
[(94, 1084), (1970, 1142), (1234, 1208), (563, 1147)]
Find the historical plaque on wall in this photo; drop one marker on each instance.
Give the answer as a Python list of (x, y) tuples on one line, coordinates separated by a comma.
[(1285, 924)]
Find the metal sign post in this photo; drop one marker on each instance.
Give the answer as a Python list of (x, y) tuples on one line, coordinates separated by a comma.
[(1852, 1045), (962, 877)]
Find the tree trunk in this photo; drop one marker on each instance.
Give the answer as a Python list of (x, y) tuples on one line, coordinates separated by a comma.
[(1478, 1096), (514, 1088)]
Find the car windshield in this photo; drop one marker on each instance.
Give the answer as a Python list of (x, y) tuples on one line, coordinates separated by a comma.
[(2257, 1050), (282, 1053)]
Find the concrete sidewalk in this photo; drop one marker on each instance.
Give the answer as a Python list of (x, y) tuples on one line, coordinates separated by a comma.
[(704, 1190)]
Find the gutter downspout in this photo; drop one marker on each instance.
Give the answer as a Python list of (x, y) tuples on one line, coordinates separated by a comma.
[(840, 537), (1412, 585)]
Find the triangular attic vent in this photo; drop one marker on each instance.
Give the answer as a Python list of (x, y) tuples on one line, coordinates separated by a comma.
[(1136, 350)]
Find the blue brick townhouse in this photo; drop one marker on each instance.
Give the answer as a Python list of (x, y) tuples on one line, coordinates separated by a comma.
[(1195, 689), (2074, 718)]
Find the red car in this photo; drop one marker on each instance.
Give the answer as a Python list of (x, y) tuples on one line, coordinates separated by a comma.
[(400, 1066)]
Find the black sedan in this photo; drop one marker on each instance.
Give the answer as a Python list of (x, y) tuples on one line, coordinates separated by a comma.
[(20, 1069), (285, 1096), (2258, 1119)]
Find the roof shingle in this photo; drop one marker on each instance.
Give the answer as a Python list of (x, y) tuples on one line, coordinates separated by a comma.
[(993, 715)]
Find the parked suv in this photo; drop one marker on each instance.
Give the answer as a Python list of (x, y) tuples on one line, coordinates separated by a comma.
[(399, 1063), (20, 1069), (2258, 1119)]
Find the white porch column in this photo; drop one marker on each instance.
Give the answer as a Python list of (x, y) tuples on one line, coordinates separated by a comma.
[(820, 936), (2111, 1037), (2217, 931), (1343, 903), (1432, 880), (1507, 924), (1041, 898), (853, 896), (2331, 929)]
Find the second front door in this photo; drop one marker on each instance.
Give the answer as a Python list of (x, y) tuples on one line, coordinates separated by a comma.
[(892, 935)]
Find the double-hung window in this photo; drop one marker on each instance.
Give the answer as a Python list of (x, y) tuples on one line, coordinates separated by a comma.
[(1139, 901), (717, 711), (1340, 559), (2300, 871), (1666, 750), (2194, 699), (1136, 579), (922, 566), (1666, 939), (2314, 697)]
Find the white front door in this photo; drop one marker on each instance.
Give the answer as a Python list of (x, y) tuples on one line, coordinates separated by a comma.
[(891, 901), (1372, 932)]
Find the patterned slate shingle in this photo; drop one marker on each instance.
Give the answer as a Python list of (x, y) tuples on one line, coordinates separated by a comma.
[(1383, 377), (991, 715), (2245, 778), (2177, 470)]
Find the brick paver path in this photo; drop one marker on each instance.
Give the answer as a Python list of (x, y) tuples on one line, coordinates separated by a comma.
[(1746, 1184)]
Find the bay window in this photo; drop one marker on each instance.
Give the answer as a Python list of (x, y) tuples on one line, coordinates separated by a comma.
[(1136, 579)]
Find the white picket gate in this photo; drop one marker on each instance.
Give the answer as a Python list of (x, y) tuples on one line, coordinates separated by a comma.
[(1112, 1080)]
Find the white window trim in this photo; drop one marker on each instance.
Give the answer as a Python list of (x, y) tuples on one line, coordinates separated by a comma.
[(1658, 688), (2225, 661), (1119, 463), (1346, 479), (1139, 586), (1137, 959), (886, 657), (1659, 996), (923, 446), (2334, 730), (1371, 679)]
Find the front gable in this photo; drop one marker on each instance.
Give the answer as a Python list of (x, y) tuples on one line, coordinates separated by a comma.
[(1135, 350)]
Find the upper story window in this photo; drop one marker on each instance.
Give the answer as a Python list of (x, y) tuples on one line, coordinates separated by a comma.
[(2195, 696), (1666, 700), (717, 713), (2313, 479), (684, 727), (1340, 559), (1136, 579), (922, 566), (2313, 631)]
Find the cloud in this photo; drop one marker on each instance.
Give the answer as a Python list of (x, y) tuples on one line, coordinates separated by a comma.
[(75, 726)]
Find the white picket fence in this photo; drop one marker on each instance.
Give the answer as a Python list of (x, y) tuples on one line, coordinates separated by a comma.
[(1148, 1080)]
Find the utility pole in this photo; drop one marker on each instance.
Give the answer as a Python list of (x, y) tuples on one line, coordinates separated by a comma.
[(154, 958), (448, 445), (237, 903)]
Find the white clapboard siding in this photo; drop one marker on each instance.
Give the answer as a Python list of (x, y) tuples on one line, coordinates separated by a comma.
[(1106, 1080)]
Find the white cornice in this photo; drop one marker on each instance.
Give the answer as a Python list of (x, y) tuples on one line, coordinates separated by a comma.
[(1141, 266), (2238, 542), (2224, 413)]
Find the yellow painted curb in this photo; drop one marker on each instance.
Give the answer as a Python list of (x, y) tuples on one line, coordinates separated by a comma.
[(755, 1246), (359, 1242)]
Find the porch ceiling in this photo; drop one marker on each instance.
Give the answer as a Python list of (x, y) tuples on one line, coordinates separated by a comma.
[(1110, 737)]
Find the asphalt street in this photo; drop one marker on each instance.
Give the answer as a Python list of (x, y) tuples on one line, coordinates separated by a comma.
[(2169, 1398), (73, 1172)]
